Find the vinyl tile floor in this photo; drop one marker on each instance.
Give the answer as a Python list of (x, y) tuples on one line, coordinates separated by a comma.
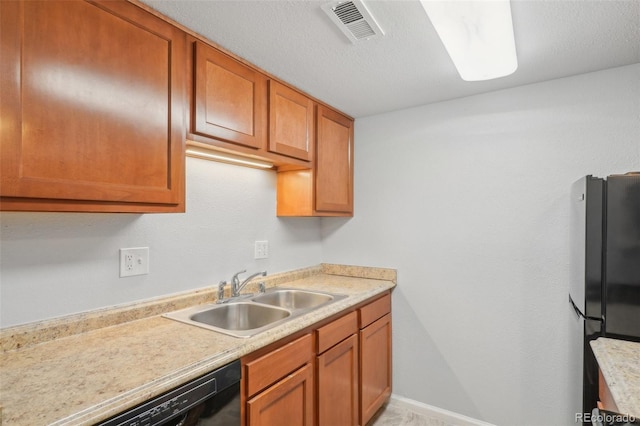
[(393, 415)]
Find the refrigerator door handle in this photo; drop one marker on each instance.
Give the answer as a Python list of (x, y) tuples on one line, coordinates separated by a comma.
[(575, 308), (580, 314)]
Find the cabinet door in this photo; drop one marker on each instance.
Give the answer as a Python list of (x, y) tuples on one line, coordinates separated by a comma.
[(93, 100), (338, 384), (289, 401), (230, 99), (291, 122), (375, 367), (334, 162)]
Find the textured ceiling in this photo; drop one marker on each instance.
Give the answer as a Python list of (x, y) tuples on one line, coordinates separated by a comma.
[(297, 42)]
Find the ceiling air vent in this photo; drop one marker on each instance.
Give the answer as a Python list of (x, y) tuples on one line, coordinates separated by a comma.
[(353, 19)]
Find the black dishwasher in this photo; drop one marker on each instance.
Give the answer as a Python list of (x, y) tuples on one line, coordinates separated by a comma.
[(212, 399)]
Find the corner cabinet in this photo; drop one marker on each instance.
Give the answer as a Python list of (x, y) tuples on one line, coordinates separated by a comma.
[(327, 189), (93, 108)]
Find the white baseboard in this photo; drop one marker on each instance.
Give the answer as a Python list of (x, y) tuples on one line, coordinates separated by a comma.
[(449, 417)]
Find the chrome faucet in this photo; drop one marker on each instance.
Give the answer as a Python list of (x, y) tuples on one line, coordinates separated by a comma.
[(237, 286)]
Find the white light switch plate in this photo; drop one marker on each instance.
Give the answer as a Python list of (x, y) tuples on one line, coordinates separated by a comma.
[(261, 250), (134, 261)]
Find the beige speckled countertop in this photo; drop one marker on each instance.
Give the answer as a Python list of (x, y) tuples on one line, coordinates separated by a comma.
[(81, 369), (619, 361)]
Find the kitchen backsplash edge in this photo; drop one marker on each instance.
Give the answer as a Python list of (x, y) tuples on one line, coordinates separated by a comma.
[(25, 335), (360, 272)]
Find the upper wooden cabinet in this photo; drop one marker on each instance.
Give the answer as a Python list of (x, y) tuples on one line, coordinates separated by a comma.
[(327, 189), (291, 122), (334, 162), (92, 105), (230, 99)]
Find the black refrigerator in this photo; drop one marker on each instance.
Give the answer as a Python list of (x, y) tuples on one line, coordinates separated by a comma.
[(604, 286)]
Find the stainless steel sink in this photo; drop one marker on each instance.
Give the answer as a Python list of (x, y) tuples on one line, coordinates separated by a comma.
[(293, 298), (240, 316), (250, 315)]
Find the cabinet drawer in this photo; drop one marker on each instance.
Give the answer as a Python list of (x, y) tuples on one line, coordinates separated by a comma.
[(337, 331), (271, 367), (375, 310)]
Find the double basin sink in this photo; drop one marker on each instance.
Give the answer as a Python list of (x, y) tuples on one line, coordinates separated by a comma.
[(246, 317)]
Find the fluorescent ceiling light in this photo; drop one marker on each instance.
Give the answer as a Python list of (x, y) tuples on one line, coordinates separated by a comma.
[(225, 157), (478, 35)]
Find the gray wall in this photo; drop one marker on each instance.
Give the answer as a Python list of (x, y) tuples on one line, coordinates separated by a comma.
[(469, 200), (54, 264)]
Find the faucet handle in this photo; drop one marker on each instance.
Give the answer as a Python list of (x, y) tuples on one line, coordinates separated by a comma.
[(221, 286)]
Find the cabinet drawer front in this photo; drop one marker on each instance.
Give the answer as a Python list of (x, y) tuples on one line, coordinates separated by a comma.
[(337, 331), (273, 366), (375, 310)]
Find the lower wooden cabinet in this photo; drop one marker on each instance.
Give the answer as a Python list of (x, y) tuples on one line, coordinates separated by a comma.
[(338, 374), (278, 384), (375, 357), (289, 401)]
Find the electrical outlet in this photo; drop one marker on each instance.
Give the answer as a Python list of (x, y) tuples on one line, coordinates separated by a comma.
[(134, 261), (261, 250)]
